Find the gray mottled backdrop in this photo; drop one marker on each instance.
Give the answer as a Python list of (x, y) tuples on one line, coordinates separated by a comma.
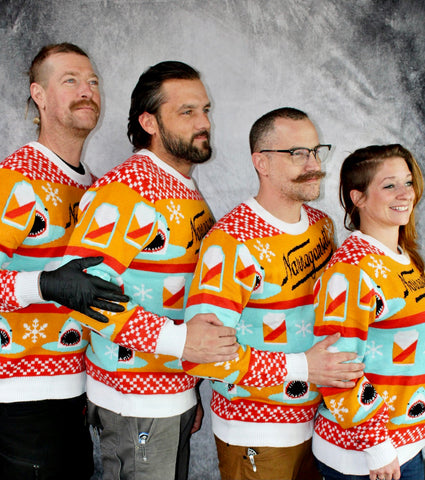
[(356, 67)]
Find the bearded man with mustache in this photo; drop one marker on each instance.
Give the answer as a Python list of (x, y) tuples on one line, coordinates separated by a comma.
[(256, 271), (147, 218)]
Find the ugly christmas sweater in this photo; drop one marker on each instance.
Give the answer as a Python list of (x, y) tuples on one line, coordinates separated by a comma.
[(42, 349), (147, 221), (256, 273), (376, 299)]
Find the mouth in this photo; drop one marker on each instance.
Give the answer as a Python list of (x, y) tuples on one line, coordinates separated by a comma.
[(203, 136), (400, 209)]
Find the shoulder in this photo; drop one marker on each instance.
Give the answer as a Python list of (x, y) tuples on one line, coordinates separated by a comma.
[(353, 251), (243, 224)]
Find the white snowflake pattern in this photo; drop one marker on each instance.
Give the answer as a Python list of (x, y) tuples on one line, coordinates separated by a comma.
[(175, 212), (244, 328), (337, 409), (304, 328), (378, 266), (142, 292), (52, 194), (328, 228), (373, 349), (111, 351), (389, 400), (226, 365), (265, 251), (35, 330)]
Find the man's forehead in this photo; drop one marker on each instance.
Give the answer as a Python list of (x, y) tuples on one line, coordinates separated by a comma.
[(184, 91), (295, 132), (67, 62)]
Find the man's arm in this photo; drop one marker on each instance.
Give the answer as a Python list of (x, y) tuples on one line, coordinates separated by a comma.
[(136, 327), (68, 285), (253, 367)]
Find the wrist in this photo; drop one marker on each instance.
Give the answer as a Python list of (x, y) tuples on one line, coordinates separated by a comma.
[(27, 288)]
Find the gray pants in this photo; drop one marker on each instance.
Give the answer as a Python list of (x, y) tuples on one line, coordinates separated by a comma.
[(143, 448)]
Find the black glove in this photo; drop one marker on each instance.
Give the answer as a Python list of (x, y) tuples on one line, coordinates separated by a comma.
[(75, 289)]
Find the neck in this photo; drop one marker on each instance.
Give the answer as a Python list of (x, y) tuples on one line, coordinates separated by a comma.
[(388, 237), (288, 211), (67, 147), (179, 164)]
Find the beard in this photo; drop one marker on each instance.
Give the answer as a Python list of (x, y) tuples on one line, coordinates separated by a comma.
[(180, 148), (83, 127)]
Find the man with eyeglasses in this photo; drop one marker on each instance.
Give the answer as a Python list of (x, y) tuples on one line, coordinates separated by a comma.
[(256, 271)]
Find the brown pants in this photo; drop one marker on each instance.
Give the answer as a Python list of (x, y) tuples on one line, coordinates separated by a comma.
[(283, 463)]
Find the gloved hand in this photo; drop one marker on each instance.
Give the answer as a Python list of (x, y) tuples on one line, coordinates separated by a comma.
[(75, 289)]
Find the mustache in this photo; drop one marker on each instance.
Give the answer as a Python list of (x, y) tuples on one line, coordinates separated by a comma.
[(85, 103), (203, 133), (305, 177)]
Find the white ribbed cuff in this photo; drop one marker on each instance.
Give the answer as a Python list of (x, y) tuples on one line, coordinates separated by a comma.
[(297, 367), (171, 339), (380, 455), (27, 288)]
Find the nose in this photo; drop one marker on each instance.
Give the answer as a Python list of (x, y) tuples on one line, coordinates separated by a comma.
[(313, 163), (405, 191), (203, 122), (86, 90)]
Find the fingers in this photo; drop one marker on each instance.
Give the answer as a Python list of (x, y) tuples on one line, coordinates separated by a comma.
[(340, 384), (87, 262), (108, 290), (226, 332), (206, 318), (95, 315), (107, 306), (347, 368), (341, 357), (329, 340)]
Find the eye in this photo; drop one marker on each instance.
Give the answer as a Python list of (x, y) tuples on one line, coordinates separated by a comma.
[(299, 152), (389, 186), (94, 82), (70, 80), (187, 112), (207, 110), (409, 183)]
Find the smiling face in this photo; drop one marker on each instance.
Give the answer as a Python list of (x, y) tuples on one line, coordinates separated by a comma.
[(67, 95), (389, 199)]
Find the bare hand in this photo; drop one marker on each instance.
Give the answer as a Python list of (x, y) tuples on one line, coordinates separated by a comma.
[(328, 368), (197, 424), (208, 340), (389, 472)]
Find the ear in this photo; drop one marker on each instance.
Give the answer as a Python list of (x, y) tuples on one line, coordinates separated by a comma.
[(357, 198), (261, 163), (148, 123), (38, 94)]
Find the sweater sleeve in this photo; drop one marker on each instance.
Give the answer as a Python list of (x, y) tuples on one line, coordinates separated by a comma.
[(224, 280), (117, 223), (346, 303), (17, 210)]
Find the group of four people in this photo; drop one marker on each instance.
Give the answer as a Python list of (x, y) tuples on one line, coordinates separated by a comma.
[(248, 289)]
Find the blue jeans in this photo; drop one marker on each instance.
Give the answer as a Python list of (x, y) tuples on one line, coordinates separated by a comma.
[(411, 470)]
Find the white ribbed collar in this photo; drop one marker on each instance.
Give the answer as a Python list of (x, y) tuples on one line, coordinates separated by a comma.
[(83, 179), (168, 168), (401, 258), (289, 228)]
